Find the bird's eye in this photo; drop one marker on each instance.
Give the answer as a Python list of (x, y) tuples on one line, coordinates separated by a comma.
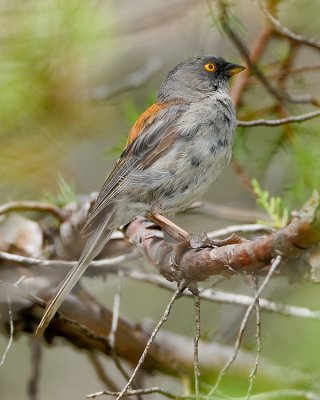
[(210, 67)]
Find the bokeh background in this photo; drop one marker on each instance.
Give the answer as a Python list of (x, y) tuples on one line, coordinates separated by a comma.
[(73, 78)]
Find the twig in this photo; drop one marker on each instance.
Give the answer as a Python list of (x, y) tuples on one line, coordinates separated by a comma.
[(227, 212), (230, 298), (116, 312), (163, 319), (114, 327), (243, 50), (225, 369), (133, 80), (281, 121), (253, 373), (167, 354), (140, 392), (296, 71), (11, 331), (196, 299), (209, 295), (257, 49), (100, 371), (36, 358), (243, 177), (157, 17), (275, 394), (303, 99), (285, 31), (34, 206), (246, 228), (107, 263), (286, 64)]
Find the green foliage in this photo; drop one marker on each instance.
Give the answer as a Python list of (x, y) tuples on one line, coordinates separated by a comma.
[(66, 193), (305, 153), (42, 53), (47, 47), (273, 206)]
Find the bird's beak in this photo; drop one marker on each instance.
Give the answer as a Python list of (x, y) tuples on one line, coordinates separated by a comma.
[(232, 69)]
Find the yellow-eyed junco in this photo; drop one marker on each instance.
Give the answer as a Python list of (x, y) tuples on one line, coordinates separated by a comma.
[(175, 150)]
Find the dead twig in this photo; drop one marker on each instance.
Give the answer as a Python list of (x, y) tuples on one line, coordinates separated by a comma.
[(116, 311), (113, 331), (253, 373), (235, 229), (146, 391), (230, 298), (227, 212), (245, 320), (296, 37), (37, 206), (106, 264), (275, 394), (245, 53), (196, 299), (132, 81), (242, 176), (101, 373), (163, 319), (36, 358), (281, 121), (11, 331)]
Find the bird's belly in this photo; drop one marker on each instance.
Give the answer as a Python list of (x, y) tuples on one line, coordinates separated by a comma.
[(184, 178)]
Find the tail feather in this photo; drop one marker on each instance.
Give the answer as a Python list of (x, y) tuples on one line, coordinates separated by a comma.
[(94, 245)]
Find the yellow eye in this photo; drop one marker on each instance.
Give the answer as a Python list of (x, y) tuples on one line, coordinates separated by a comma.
[(210, 67)]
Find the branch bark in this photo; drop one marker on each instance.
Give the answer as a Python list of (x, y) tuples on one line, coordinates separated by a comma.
[(179, 261)]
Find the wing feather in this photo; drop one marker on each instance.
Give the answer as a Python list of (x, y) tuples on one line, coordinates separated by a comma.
[(154, 141)]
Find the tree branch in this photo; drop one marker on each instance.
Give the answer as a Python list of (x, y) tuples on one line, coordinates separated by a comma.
[(311, 42), (48, 208), (278, 122), (178, 262)]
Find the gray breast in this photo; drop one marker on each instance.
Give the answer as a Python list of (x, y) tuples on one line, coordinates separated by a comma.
[(205, 148), (202, 151)]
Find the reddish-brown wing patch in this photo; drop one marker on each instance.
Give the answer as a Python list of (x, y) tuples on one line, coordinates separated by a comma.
[(145, 119)]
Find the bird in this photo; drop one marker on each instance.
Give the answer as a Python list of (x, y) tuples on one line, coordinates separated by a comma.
[(175, 151)]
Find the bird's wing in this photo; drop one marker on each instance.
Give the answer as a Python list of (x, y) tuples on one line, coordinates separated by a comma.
[(158, 133), (152, 136)]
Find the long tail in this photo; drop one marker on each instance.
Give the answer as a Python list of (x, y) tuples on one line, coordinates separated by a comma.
[(94, 245)]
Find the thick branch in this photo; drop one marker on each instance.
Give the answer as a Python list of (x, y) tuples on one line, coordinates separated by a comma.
[(86, 324), (182, 262)]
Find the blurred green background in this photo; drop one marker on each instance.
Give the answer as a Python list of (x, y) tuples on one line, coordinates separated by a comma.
[(64, 112)]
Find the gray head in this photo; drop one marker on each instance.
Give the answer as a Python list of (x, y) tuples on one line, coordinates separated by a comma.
[(197, 78)]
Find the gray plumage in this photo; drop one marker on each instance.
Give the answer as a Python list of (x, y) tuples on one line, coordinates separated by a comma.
[(178, 148)]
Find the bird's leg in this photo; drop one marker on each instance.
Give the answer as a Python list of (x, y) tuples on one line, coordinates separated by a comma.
[(169, 227), (196, 240)]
